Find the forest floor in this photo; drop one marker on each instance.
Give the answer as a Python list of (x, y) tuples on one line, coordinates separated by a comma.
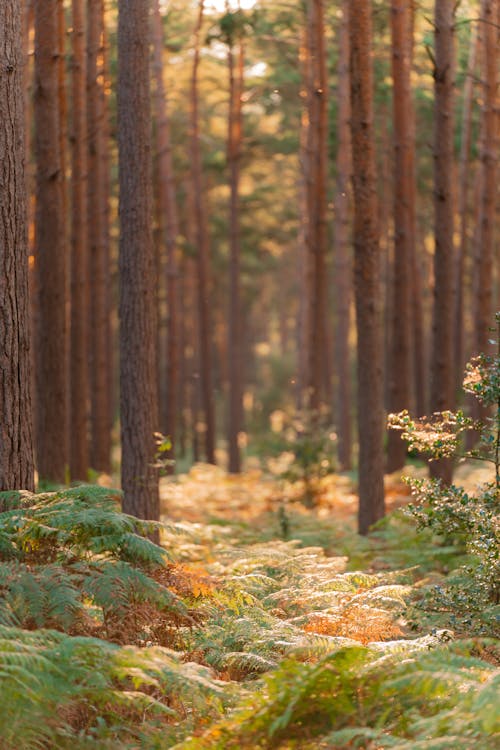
[(288, 630)]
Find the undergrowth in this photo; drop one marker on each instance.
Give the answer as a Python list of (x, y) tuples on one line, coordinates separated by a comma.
[(226, 635)]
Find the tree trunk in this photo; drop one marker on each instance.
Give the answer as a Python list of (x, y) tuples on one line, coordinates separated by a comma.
[(100, 437), (317, 204), (50, 254), (366, 271), (442, 373), (16, 445), (79, 453), (235, 359), (169, 232), (488, 196), (202, 249), (138, 391), (343, 262), (404, 232)]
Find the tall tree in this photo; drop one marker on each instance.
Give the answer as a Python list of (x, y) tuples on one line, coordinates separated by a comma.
[(366, 271), (16, 448), (169, 228), (202, 252), (234, 144), (404, 232), (316, 237), (488, 195), (50, 253), (100, 441), (442, 373), (79, 453), (138, 391), (343, 262)]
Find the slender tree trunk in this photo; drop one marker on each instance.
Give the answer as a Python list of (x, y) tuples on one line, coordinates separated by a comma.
[(169, 230), (138, 391), (463, 204), (366, 271), (79, 453), (399, 370), (317, 202), (235, 359), (50, 254), (442, 374), (16, 444), (343, 262), (100, 437), (202, 247), (488, 197)]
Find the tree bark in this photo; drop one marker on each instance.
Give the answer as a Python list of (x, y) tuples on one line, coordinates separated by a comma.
[(203, 251), (234, 349), (79, 450), (100, 435), (442, 373), (169, 230), (343, 260), (404, 231), (366, 271), (16, 444), (138, 391), (50, 254)]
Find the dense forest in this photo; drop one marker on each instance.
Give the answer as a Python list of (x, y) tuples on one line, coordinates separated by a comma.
[(249, 374)]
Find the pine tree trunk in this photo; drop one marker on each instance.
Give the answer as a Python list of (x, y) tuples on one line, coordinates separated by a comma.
[(16, 444), (50, 254), (488, 196), (79, 453), (343, 262), (138, 388), (169, 232), (366, 271), (399, 369), (202, 248), (100, 437), (235, 359), (442, 373)]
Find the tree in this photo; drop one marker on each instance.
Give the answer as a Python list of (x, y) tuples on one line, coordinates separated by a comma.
[(138, 387), (233, 33), (16, 449), (442, 375), (343, 262), (79, 453), (100, 440), (202, 252), (51, 347), (168, 222), (366, 271), (404, 231)]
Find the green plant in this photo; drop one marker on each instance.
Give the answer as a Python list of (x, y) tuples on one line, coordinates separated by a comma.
[(470, 522)]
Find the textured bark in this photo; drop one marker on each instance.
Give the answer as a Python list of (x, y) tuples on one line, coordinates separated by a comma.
[(343, 260), (316, 238), (366, 271), (235, 343), (168, 223), (463, 204), (50, 254), (138, 391), (488, 196), (203, 251), (79, 449), (16, 448), (399, 374), (100, 434), (442, 373)]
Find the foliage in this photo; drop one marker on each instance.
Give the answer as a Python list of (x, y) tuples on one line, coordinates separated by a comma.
[(470, 521)]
